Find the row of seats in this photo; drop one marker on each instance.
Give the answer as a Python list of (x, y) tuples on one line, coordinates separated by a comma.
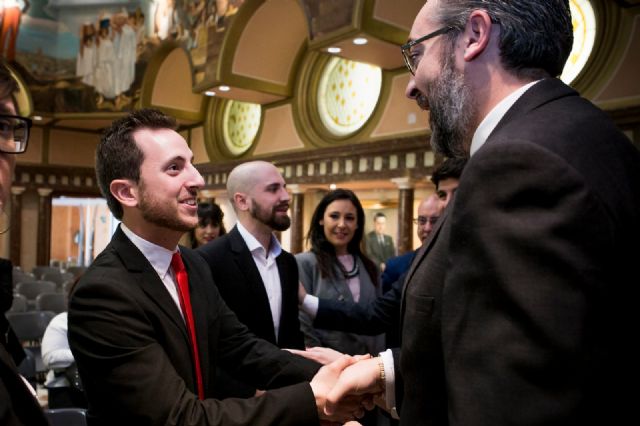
[(55, 302)]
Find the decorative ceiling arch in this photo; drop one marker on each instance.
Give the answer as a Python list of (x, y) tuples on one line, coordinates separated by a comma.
[(258, 55)]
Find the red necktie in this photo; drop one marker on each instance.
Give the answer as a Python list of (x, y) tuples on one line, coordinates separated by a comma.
[(185, 304)]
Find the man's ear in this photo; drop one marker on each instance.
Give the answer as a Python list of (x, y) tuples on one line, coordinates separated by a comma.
[(241, 201), (477, 34), (125, 191)]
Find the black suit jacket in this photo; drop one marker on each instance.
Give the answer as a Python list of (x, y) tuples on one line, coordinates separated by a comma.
[(238, 279), (17, 404), (133, 354), (540, 294)]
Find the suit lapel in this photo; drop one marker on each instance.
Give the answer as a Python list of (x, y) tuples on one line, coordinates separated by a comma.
[(253, 281), (422, 252), (147, 279)]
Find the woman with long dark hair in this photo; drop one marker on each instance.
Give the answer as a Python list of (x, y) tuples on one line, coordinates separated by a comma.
[(210, 224), (336, 268)]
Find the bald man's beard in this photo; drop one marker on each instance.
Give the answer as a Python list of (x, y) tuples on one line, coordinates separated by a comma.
[(270, 217), (451, 109)]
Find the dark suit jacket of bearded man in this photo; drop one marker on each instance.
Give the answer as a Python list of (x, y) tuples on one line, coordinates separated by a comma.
[(240, 285), (523, 310)]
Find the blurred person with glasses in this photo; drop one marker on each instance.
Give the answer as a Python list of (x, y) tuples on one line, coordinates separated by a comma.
[(18, 405)]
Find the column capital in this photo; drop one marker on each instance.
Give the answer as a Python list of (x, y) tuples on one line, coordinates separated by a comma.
[(404, 182), (17, 190), (45, 192)]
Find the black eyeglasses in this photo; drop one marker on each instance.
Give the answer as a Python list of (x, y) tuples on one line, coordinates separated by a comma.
[(14, 133), (422, 220), (406, 48)]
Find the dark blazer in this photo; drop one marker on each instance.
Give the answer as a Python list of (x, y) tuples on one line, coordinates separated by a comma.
[(238, 279), (17, 404), (395, 268), (540, 280), (132, 350)]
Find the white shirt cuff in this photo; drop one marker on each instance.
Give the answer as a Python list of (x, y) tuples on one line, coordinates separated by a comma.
[(310, 305), (390, 382)]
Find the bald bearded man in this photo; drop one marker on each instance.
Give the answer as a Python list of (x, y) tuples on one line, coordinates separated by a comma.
[(257, 278)]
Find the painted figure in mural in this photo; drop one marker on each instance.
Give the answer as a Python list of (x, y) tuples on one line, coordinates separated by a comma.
[(10, 14), (166, 22), (124, 45), (104, 83), (86, 61)]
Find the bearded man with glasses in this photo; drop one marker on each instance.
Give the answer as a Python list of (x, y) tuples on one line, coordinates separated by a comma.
[(536, 304)]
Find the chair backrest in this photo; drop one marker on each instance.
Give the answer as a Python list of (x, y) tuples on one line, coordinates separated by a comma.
[(40, 270), (19, 304), (29, 326), (54, 302), (54, 277), (20, 276), (31, 289), (66, 416)]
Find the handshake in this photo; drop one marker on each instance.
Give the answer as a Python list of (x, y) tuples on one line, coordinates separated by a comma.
[(346, 385)]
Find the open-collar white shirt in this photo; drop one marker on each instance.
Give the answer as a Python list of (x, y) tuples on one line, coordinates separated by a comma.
[(268, 268)]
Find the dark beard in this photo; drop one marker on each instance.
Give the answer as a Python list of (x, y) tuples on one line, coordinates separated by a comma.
[(269, 218), (158, 214), (451, 110)]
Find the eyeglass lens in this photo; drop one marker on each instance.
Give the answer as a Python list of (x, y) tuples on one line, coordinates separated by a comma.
[(14, 132)]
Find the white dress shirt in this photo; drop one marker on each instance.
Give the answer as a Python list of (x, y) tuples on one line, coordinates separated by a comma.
[(268, 268), (160, 259)]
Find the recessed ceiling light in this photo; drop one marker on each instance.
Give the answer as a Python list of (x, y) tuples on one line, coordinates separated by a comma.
[(332, 186), (37, 118), (360, 41), (210, 93), (334, 49), (224, 88)]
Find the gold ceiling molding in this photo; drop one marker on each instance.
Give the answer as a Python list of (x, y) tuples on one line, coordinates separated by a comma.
[(24, 103), (150, 80), (219, 65)]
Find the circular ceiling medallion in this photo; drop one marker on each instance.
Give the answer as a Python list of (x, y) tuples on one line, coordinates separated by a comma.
[(241, 123), (347, 95), (584, 35)]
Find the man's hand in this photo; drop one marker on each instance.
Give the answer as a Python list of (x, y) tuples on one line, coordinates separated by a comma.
[(360, 378), (348, 407), (301, 293), (318, 354)]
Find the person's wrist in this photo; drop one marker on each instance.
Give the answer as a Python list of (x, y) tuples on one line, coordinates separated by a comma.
[(382, 382)]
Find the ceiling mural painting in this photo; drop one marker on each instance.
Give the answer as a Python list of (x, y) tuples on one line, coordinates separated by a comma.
[(91, 55)]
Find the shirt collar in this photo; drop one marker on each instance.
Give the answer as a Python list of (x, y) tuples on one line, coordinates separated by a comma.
[(159, 257), (492, 119), (274, 247)]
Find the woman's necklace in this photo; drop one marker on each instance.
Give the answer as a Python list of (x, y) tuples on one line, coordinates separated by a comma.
[(354, 271)]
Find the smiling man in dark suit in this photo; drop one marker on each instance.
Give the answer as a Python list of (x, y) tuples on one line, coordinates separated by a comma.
[(147, 326), (256, 278), (537, 284)]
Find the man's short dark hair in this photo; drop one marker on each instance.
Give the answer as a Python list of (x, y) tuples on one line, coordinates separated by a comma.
[(451, 168), (536, 36), (377, 215), (118, 155)]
